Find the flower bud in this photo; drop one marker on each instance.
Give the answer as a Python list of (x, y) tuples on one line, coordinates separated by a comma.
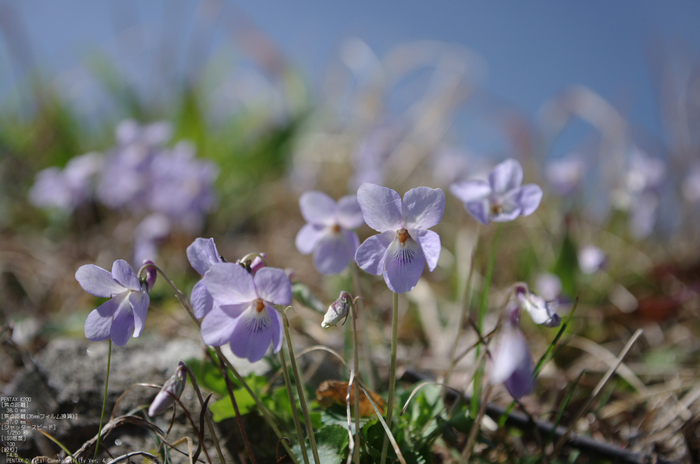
[(337, 311), (172, 389), (151, 274), (258, 263), (541, 312)]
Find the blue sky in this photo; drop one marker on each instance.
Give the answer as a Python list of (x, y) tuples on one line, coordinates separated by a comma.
[(533, 49)]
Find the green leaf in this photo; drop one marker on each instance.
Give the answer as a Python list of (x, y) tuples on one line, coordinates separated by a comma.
[(208, 376), (303, 295), (223, 409), (567, 265), (332, 443)]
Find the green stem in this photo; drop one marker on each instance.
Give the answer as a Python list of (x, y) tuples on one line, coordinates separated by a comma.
[(258, 403), (465, 303), (184, 301), (368, 376), (239, 421), (292, 402), (483, 307), (300, 391), (392, 372), (104, 401), (210, 425), (478, 378), (356, 384)]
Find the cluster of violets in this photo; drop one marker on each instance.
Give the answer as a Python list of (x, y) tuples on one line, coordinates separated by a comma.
[(238, 303), (169, 187)]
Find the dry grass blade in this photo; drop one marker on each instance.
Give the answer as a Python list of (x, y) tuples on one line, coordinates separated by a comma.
[(128, 456), (113, 424), (596, 392), (392, 440)]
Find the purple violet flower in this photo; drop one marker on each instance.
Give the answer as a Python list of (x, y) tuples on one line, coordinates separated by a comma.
[(66, 189), (639, 193), (171, 390), (404, 245), (591, 259), (202, 255), (126, 310), (328, 234), (565, 174), (512, 364), (182, 186), (502, 198), (244, 315)]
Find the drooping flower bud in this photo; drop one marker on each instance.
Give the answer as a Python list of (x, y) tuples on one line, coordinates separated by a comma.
[(258, 263), (542, 312), (151, 274), (337, 311), (172, 389)]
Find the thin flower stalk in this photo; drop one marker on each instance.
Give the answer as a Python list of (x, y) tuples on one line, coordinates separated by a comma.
[(479, 377), (356, 382), (258, 403), (210, 424), (239, 421), (104, 401), (368, 376), (465, 303), (392, 372), (300, 390), (464, 459), (295, 413), (186, 305)]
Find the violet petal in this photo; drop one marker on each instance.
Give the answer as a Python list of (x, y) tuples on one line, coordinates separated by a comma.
[(202, 302), (273, 285), (333, 254), (219, 324), (230, 284), (99, 322), (123, 324), (472, 190), (97, 281), (122, 273), (308, 237), (381, 207), (202, 253), (317, 208), (506, 176), (371, 254), (423, 207), (349, 214), (139, 305), (403, 266), (530, 198), (429, 242)]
